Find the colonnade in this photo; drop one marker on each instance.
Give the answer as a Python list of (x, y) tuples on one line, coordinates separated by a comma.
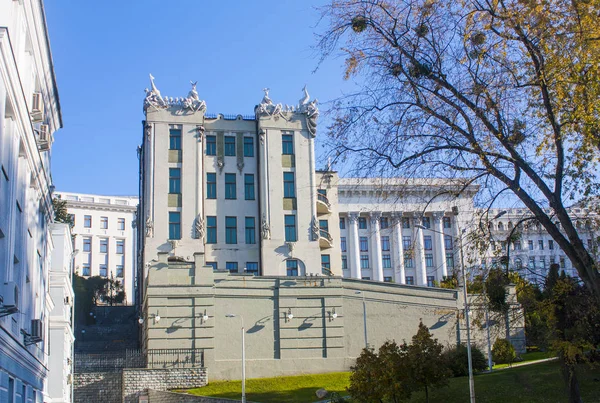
[(397, 253)]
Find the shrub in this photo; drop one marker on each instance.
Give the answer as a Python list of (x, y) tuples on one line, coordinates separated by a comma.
[(503, 352), (457, 360)]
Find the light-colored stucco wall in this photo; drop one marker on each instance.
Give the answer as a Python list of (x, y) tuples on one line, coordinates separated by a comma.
[(314, 340)]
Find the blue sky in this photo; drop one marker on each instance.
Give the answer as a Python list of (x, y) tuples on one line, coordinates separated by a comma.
[(103, 52)]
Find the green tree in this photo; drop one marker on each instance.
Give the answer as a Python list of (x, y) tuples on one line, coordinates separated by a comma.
[(501, 93), (426, 361), (457, 360), (60, 212), (381, 377), (503, 352)]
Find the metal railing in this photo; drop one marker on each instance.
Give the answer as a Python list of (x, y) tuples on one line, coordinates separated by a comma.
[(323, 198), (324, 234), (110, 361)]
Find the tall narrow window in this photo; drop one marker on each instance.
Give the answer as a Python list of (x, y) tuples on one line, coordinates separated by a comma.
[(426, 222), (429, 260), (343, 244), (550, 244), (408, 261), (364, 261), (175, 139), (448, 242), (289, 188), (342, 223), (248, 147), (385, 243), (121, 224), (449, 260), (174, 225), (430, 281), (290, 228), (174, 180), (103, 270), (405, 222), (230, 186), (211, 229), (250, 230), (384, 222), (287, 144), (104, 222), (428, 244), (325, 264), (211, 185), (447, 222), (410, 280), (386, 261), (406, 242), (103, 245), (364, 244), (249, 186), (362, 223), (230, 146), (120, 270), (344, 262), (120, 246), (211, 145), (231, 230), (87, 244), (541, 244), (291, 266)]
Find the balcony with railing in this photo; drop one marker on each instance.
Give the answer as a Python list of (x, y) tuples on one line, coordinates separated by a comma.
[(325, 240), (323, 205)]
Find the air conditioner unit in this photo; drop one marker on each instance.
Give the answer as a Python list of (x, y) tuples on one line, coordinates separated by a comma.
[(10, 298), (37, 330), (37, 107), (44, 138)]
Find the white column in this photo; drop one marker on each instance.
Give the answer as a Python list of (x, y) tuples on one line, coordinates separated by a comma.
[(354, 246), (440, 249), (265, 217), (200, 180), (376, 246), (420, 268), (399, 272), (149, 169)]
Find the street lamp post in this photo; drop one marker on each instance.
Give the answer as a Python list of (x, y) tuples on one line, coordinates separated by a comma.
[(364, 317), (231, 315)]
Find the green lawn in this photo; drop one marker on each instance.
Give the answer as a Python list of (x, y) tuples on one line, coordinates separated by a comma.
[(534, 383), (526, 357)]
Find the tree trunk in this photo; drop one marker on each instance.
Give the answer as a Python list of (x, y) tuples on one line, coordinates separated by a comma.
[(426, 394), (570, 376)]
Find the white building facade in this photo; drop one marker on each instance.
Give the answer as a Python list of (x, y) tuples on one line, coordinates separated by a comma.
[(104, 236), (29, 116), (243, 192), (60, 335)]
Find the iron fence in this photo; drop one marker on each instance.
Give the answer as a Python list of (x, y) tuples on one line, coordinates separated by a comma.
[(109, 361)]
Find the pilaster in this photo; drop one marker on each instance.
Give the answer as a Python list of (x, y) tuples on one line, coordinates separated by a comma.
[(376, 246), (420, 268), (440, 250), (354, 246), (399, 271)]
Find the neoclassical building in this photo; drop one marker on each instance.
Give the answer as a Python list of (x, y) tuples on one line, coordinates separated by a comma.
[(243, 192), (105, 237), (29, 116)]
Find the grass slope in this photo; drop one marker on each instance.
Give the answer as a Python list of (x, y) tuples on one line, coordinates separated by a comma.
[(536, 383)]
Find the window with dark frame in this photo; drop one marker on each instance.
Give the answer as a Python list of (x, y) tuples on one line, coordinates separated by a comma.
[(174, 225), (230, 187), (250, 231), (290, 228), (211, 229), (291, 266), (211, 145), (175, 139), (211, 185), (230, 146), (287, 144), (231, 230), (248, 147), (249, 186), (175, 180), (289, 187), (385, 243)]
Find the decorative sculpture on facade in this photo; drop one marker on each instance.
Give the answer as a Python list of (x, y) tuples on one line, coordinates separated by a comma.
[(200, 131), (199, 227), (149, 228), (265, 230), (267, 107), (311, 110), (314, 226), (154, 99)]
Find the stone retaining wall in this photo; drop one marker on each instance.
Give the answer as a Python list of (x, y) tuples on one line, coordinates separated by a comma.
[(102, 387), (137, 380)]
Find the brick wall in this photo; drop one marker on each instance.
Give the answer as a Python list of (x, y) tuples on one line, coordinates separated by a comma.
[(155, 396), (97, 387), (137, 380)]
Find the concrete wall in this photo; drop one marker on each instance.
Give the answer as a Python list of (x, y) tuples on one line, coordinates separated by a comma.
[(136, 381), (325, 334)]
